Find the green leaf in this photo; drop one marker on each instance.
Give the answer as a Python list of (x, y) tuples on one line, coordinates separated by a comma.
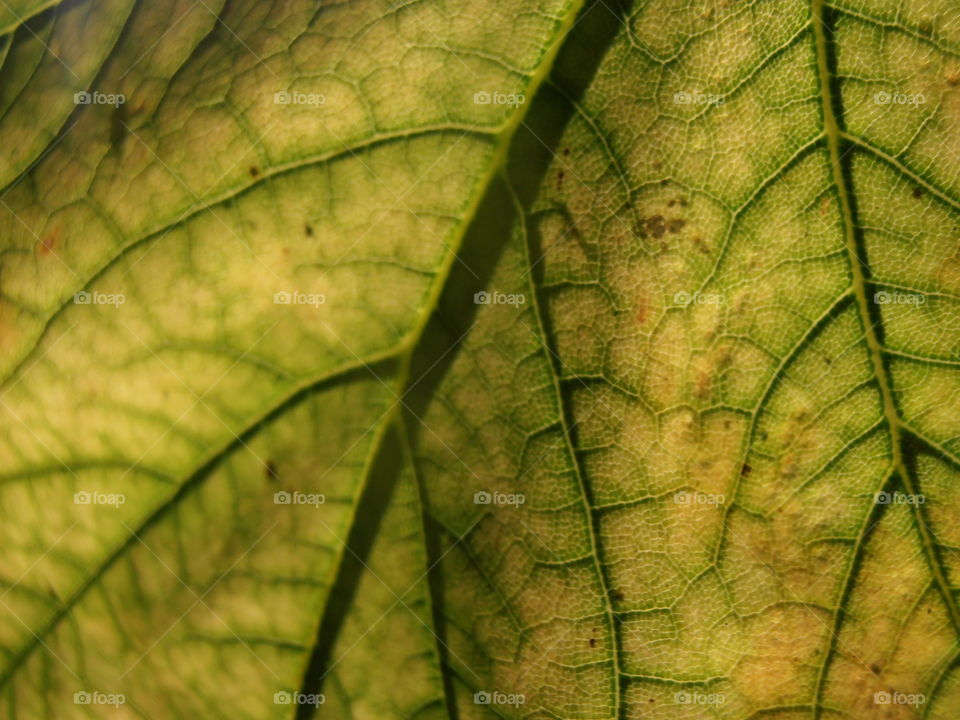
[(416, 360)]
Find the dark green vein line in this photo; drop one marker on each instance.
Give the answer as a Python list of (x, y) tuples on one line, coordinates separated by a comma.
[(932, 444), (202, 469), (566, 430), (901, 168), (887, 26), (778, 372), (206, 205), (860, 270)]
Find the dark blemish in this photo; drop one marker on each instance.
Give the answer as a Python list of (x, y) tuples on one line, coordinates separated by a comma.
[(617, 596), (559, 179), (671, 203), (656, 226), (684, 202), (726, 424), (745, 470), (929, 611), (271, 471), (308, 230), (701, 245), (676, 225), (593, 642), (254, 171), (917, 192), (875, 669), (566, 151), (827, 361)]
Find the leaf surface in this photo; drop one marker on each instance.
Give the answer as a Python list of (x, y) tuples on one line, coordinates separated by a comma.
[(332, 373)]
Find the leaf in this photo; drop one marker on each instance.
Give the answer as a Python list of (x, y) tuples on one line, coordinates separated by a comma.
[(719, 396), (411, 360), (158, 388)]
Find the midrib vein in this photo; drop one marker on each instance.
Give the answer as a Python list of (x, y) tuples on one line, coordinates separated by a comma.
[(563, 408), (834, 134)]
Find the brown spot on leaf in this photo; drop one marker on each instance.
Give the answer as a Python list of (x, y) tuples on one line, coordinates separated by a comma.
[(308, 230), (641, 312), (676, 225), (254, 171), (745, 470), (656, 226), (593, 642), (704, 383), (917, 192)]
